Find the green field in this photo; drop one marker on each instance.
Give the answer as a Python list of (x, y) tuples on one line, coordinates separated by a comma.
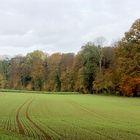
[(30, 116)]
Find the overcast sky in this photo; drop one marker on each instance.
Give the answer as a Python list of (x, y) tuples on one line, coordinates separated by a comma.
[(62, 25)]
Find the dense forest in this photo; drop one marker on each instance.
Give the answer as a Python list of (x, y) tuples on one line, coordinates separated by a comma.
[(95, 68)]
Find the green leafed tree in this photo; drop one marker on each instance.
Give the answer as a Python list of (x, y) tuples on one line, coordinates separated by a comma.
[(90, 58)]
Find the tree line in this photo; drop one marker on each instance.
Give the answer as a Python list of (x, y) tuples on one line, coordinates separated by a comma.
[(94, 69)]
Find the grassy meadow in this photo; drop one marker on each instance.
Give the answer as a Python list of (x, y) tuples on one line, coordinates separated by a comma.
[(30, 116)]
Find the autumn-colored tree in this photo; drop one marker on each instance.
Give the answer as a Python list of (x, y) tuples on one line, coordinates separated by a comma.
[(14, 72), (103, 82), (128, 59), (53, 82), (104, 79), (4, 70), (66, 68), (36, 59)]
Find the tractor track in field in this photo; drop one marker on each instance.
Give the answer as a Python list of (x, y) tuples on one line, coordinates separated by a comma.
[(87, 110), (99, 133), (53, 131), (19, 122), (46, 136), (22, 127), (100, 117), (97, 115), (91, 131), (93, 113)]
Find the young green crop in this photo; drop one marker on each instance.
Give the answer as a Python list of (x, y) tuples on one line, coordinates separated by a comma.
[(68, 117)]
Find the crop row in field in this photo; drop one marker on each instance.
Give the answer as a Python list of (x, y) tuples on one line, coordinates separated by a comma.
[(69, 117)]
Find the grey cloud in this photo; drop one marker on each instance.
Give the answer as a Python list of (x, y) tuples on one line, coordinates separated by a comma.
[(62, 25)]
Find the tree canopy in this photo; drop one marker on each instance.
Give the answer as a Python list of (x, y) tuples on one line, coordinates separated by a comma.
[(94, 69)]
